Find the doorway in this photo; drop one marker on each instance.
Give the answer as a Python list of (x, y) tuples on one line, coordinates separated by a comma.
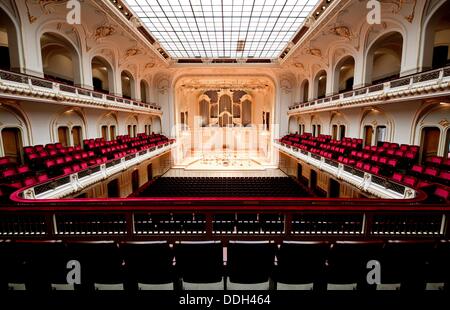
[(335, 188), (135, 180), (113, 189), (149, 172), (368, 133), (12, 142), (429, 142)]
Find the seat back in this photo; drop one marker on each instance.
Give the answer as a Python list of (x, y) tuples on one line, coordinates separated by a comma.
[(250, 261), (301, 262), (148, 262), (199, 261)]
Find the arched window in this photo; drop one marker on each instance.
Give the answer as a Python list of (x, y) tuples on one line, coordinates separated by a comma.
[(343, 75), (320, 84), (204, 112), (305, 91), (246, 112), (145, 92), (436, 46), (102, 75), (384, 58), (128, 89), (9, 44), (60, 59)]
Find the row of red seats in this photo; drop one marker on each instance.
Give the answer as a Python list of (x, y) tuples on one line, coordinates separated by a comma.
[(390, 160)]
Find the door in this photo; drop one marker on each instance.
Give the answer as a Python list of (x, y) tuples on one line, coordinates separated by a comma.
[(105, 132), (149, 172), (430, 142), (12, 143), (112, 132), (335, 132), (313, 180), (76, 135), (335, 188), (135, 180), (63, 135), (113, 189), (368, 133)]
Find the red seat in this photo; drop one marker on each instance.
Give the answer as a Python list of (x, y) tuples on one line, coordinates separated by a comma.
[(442, 193), (67, 170), (375, 170), (16, 184), (434, 160), (30, 181), (23, 169), (431, 172), (392, 163), (360, 165), (397, 177), (410, 180), (417, 169), (8, 173), (76, 167), (49, 163), (42, 177), (444, 176), (83, 165)]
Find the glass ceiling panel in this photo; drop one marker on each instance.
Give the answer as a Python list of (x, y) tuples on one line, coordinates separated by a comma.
[(223, 28)]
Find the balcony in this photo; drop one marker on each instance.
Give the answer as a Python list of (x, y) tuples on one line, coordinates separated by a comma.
[(434, 82), (15, 85), (67, 184), (364, 181)]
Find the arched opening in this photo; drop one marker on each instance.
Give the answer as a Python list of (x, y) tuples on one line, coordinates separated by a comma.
[(127, 85), (60, 59), (204, 112), (305, 91), (156, 125), (9, 48), (320, 84), (144, 91), (343, 75), (68, 128), (102, 75), (12, 144), (436, 50), (247, 113), (429, 142), (384, 58)]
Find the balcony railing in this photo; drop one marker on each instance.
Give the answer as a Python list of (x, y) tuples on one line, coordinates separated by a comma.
[(403, 83), (367, 182), (36, 84)]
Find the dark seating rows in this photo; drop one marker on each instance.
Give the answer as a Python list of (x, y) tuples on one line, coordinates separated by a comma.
[(311, 265), (224, 186)]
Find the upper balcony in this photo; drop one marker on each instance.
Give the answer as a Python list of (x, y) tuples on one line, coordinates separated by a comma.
[(20, 86), (426, 84)]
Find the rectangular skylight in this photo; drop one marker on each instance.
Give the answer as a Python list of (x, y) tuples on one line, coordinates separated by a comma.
[(215, 28)]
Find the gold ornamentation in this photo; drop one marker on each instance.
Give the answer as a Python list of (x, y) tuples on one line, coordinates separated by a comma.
[(444, 123), (103, 32), (313, 51), (342, 31)]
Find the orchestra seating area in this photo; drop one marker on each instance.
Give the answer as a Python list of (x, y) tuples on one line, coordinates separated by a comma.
[(44, 162), (224, 187), (400, 163), (409, 265)]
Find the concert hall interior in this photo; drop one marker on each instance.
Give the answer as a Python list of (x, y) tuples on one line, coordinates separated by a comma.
[(227, 145)]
